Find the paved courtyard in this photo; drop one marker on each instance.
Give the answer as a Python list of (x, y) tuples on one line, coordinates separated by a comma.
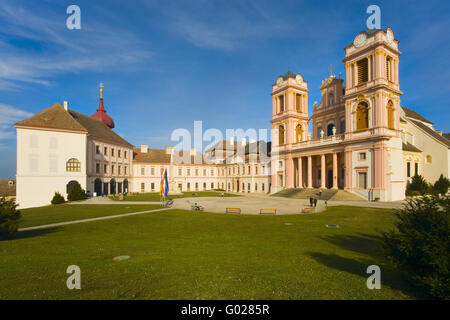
[(251, 203)]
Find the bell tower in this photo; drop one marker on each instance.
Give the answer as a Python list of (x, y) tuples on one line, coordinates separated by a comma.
[(372, 91), (289, 110)]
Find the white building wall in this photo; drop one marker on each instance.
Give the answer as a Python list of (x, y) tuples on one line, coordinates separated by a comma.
[(41, 164)]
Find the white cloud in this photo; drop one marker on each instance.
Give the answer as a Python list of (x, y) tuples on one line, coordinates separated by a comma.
[(8, 116)]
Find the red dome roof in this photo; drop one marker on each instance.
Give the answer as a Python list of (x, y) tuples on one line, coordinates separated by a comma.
[(102, 116)]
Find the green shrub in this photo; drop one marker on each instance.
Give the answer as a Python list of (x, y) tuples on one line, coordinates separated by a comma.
[(418, 183), (76, 192), (58, 198), (412, 193), (421, 243), (441, 185), (9, 218)]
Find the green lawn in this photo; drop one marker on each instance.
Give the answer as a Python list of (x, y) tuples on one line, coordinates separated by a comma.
[(154, 196), (66, 212), (179, 254)]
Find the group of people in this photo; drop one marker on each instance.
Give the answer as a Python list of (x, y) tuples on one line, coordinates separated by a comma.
[(313, 202)]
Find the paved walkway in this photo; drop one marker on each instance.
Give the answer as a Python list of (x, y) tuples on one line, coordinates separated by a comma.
[(90, 219)]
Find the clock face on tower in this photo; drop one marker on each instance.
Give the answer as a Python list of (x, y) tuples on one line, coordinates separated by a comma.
[(360, 40), (298, 79), (280, 81)]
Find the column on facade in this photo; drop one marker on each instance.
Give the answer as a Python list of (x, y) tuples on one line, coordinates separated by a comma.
[(322, 172), (289, 172), (300, 173), (369, 67), (335, 171), (348, 170), (309, 172)]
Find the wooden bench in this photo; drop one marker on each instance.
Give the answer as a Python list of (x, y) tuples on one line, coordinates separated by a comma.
[(308, 210), (233, 210), (267, 211)]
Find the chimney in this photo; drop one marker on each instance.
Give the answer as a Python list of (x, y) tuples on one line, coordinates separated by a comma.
[(144, 148), (169, 150), (192, 152), (66, 105)]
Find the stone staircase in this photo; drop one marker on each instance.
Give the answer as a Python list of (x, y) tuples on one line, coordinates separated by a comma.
[(320, 194)]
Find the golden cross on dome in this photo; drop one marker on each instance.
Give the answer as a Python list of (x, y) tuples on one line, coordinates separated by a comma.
[(331, 69), (101, 90)]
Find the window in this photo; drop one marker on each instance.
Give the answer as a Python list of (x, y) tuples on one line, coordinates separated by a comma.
[(97, 149), (262, 187), (196, 186), (330, 99), (363, 70), (389, 68), (105, 168), (330, 129), (143, 187), (280, 135), (119, 169), (408, 169), (281, 101), (180, 171), (97, 168), (298, 102), (299, 133), (362, 180), (196, 172), (105, 151), (125, 170), (53, 143), (112, 169), (118, 153), (142, 171), (125, 154), (188, 173), (212, 172), (112, 152), (152, 185), (212, 185), (73, 165), (256, 187), (256, 170), (188, 186), (152, 171), (390, 114), (429, 159), (204, 172), (416, 169), (342, 126), (362, 156), (362, 116)]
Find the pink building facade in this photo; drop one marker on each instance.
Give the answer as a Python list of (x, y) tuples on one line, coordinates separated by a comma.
[(355, 139)]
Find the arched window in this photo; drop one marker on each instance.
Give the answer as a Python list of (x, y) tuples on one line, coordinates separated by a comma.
[(73, 165), (281, 101), (330, 129), (390, 114), (280, 135), (299, 133), (362, 116), (298, 102)]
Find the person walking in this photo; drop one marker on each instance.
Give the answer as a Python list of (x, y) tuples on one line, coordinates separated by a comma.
[(310, 201), (315, 202)]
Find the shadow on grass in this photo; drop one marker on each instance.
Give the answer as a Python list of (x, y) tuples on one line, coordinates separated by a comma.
[(371, 247), (33, 233)]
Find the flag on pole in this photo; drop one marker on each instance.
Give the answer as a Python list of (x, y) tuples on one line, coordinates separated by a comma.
[(164, 188)]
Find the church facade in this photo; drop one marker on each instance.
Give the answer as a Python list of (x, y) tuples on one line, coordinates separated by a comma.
[(358, 138), (361, 139)]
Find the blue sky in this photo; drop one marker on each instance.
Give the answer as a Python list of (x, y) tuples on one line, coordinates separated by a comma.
[(165, 64)]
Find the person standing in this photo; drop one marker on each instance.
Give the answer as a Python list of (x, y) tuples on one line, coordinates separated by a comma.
[(315, 202), (310, 201)]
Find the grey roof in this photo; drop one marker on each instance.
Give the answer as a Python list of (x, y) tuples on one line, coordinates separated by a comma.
[(447, 135), (432, 133)]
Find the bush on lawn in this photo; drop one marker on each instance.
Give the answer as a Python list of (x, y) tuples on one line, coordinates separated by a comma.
[(441, 185), (9, 218), (421, 243), (58, 198), (76, 192), (418, 183)]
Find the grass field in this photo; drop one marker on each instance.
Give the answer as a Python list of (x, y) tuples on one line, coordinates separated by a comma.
[(154, 196), (179, 254), (65, 212)]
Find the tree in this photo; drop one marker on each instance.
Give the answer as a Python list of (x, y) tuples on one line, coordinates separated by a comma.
[(58, 198), (76, 192), (441, 185), (419, 184), (9, 218), (421, 243)]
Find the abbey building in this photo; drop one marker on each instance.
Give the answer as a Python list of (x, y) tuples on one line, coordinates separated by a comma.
[(358, 138)]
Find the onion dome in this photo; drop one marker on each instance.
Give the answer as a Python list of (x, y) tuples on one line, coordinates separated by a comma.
[(101, 112)]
